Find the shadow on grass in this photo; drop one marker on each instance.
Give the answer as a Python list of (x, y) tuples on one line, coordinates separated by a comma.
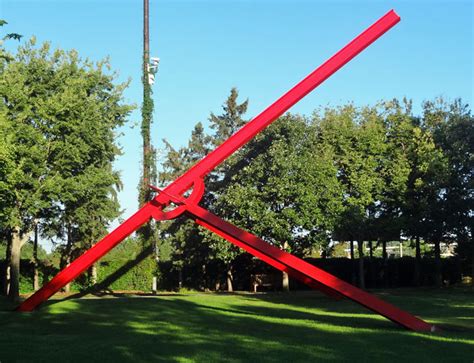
[(207, 328), (450, 304)]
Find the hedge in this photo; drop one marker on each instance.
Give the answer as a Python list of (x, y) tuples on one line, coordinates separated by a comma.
[(136, 273)]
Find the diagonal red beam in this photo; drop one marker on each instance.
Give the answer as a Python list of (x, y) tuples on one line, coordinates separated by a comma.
[(290, 263), (183, 202), (88, 258), (283, 104), (272, 261), (213, 159), (298, 268)]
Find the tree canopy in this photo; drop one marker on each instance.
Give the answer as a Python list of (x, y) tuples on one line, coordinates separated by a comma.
[(59, 115), (373, 173)]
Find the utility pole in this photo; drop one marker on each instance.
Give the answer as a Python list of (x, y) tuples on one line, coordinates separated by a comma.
[(147, 108), (149, 169)]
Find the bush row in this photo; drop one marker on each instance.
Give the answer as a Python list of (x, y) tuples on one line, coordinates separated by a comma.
[(123, 274)]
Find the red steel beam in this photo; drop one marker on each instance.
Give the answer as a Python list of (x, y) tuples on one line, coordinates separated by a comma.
[(290, 263), (274, 262), (83, 262), (198, 191), (283, 104)]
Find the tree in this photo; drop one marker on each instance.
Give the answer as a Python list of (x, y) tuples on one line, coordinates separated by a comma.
[(6, 163), (285, 190), (4, 55), (182, 234), (61, 113), (395, 171), (177, 161), (358, 139), (422, 193), (224, 126), (452, 127)]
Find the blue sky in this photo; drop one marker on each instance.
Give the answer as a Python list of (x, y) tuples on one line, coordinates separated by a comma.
[(261, 47)]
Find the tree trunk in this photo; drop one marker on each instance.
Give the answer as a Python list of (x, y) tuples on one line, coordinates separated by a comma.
[(93, 271), (35, 260), (230, 279), (417, 272), (384, 263), (354, 275), (472, 256), (66, 259), (205, 284), (18, 240), (180, 278), (7, 276), (285, 280), (93, 274), (372, 276), (67, 287), (438, 274), (7, 279), (360, 245)]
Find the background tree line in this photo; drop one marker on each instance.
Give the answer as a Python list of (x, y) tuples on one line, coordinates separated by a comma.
[(364, 175)]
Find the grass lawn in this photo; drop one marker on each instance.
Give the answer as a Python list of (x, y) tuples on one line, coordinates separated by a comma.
[(294, 327)]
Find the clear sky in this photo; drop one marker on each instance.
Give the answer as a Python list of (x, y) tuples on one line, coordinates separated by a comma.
[(261, 47)]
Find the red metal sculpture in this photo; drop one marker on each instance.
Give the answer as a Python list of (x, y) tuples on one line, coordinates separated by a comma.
[(193, 178)]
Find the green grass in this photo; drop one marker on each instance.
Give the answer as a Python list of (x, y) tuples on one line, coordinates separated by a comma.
[(294, 327)]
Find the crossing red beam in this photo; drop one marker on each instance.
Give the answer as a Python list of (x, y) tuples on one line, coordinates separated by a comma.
[(283, 104), (304, 271), (279, 259)]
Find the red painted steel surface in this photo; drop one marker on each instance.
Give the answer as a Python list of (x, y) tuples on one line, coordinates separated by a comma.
[(289, 263), (277, 258), (272, 261), (86, 260), (283, 104)]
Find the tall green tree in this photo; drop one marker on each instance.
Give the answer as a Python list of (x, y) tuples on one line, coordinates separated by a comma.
[(286, 189), (422, 193), (224, 125), (451, 218), (177, 161), (183, 235), (358, 139), (62, 113), (6, 163), (394, 169)]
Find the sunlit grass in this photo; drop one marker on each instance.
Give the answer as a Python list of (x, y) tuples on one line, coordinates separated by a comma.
[(295, 327)]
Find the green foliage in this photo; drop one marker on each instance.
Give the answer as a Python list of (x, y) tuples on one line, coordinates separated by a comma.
[(26, 252), (5, 56), (138, 278), (287, 191), (149, 172), (149, 153), (192, 244), (348, 173), (59, 114)]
